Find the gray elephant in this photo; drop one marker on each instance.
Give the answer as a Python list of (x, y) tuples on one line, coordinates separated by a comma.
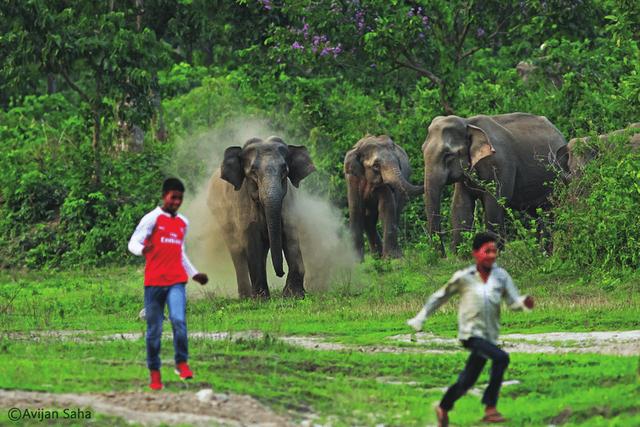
[(377, 173), (255, 211), (520, 153), (583, 150)]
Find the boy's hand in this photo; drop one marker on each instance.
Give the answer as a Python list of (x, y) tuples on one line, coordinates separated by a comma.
[(201, 278), (417, 322), (147, 248), (528, 302)]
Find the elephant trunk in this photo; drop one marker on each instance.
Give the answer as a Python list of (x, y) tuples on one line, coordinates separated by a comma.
[(272, 202), (393, 177), (432, 194)]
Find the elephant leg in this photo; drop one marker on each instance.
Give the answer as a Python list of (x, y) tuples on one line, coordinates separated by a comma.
[(356, 215), (240, 264), (389, 216), (543, 233), (257, 261), (463, 206), (370, 221), (494, 217), (494, 210), (294, 286)]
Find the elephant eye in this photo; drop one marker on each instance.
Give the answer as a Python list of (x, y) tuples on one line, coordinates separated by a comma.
[(375, 166), (448, 157)]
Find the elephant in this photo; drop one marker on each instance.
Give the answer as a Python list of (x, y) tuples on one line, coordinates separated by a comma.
[(251, 198), (583, 150), (520, 153), (377, 174)]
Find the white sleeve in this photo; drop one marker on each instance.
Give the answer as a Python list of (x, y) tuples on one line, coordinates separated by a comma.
[(143, 230), (515, 301), (189, 268), (438, 298), (442, 295)]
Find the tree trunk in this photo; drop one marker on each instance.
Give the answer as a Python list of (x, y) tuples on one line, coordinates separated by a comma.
[(432, 196), (52, 86), (97, 162)]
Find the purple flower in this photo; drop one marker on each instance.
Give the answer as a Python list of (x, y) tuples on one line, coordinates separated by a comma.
[(296, 45), (325, 51), (266, 4), (480, 32), (359, 19), (410, 13)]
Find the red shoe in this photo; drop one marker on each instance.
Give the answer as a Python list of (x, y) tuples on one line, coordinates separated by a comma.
[(183, 370), (156, 382)]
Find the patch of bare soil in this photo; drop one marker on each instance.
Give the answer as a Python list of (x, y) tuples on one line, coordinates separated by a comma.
[(39, 335), (315, 343), (156, 408), (619, 343)]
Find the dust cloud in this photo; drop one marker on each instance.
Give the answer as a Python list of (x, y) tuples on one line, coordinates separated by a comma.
[(326, 248)]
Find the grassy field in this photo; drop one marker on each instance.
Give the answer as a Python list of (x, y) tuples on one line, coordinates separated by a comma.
[(340, 387)]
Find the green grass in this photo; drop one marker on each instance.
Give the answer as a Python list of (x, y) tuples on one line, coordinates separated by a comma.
[(285, 378), (570, 389)]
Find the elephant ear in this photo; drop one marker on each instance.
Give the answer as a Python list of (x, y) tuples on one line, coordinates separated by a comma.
[(300, 164), (232, 170), (352, 164), (403, 158), (480, 146)]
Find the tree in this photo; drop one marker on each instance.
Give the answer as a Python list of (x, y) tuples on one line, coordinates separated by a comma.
[(434, 39), (97, 51)]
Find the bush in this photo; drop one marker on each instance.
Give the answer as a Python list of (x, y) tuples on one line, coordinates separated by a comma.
[(597, 215)]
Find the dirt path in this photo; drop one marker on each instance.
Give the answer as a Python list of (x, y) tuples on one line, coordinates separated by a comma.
[(199, 409), (620, 343)]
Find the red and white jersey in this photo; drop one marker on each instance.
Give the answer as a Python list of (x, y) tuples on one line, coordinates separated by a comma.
[(167, 263)]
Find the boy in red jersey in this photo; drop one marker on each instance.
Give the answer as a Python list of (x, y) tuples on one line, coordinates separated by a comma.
[(160, 238)]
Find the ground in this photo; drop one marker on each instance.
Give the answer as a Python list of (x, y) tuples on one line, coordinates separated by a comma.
[(344, 357)]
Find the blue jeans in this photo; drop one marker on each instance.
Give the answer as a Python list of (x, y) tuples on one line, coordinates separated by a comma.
[(155, 298), (481, 350)]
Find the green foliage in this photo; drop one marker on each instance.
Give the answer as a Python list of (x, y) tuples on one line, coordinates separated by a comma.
[(51, 213), (596, 224), (322, 74)]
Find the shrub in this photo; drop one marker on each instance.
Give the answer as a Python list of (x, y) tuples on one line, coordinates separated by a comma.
[(597, 214)]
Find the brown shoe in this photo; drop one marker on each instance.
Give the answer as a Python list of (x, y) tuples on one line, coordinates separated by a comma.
[(442, 416), (494, 417)]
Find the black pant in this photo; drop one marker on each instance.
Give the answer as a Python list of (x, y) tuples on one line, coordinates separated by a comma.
[(481, 350)]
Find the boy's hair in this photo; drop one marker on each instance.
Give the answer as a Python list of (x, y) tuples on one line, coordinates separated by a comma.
[(172, 184), (482, 238)]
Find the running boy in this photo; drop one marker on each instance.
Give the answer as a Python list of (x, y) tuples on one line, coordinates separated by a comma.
[(481, 288), (160, 238)]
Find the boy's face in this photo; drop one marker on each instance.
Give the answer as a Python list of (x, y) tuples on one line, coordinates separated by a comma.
[(486, 255), (171, 201)]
